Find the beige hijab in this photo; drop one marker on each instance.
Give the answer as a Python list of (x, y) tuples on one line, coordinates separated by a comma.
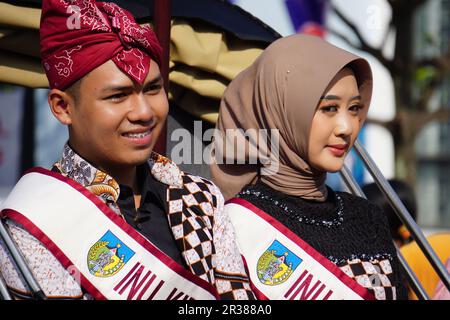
[(281, 90)]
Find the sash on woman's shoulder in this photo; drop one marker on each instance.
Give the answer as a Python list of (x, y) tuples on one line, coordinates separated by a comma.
[(109, 257), (281, 265)]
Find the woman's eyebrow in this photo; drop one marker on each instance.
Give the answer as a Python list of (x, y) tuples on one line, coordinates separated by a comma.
[(358, 97), (333, 97), (330, 97)]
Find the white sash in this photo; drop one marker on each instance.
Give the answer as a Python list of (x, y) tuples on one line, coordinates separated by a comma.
[(112, 260), (282, 266)]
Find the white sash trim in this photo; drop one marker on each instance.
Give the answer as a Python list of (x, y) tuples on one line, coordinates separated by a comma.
[(313, 277), (69, 220)]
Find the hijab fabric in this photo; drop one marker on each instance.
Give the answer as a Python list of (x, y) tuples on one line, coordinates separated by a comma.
[(280, 91)]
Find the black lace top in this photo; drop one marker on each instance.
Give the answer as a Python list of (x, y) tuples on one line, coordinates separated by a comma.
[(348, 230)]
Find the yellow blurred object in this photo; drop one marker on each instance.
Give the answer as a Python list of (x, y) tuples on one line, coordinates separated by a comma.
[(404, 233), (425, 273), (19, 17), (205, 59), (21, 70)]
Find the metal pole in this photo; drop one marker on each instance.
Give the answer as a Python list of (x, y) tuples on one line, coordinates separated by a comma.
[(412, 278), (4, 292), (162, 22), (404, 216), (33, 285), (347, 177)]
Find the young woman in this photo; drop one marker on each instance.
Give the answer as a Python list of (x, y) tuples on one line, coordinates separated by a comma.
[(301, 239)]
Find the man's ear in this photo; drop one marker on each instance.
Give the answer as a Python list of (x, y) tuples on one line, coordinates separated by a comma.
[(61, 104)]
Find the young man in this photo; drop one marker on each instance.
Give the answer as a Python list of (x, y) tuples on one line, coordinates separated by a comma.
[(112, 219)]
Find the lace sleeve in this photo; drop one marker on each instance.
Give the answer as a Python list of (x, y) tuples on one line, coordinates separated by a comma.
[(54, 279)]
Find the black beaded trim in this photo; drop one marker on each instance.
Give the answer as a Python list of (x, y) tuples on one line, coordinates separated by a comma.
[(297, 216), (230, 277), (362, 257)]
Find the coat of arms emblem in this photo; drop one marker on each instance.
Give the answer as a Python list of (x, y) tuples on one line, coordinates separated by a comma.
[(107, 256), (276, 264)]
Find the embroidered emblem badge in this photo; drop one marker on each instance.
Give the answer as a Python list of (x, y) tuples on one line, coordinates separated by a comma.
[(276, 264), (107, 256)]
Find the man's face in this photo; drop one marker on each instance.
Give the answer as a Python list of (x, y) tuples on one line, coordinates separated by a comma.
[(115, 122)]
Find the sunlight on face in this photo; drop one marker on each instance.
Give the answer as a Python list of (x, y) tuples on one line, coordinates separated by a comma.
[(336, 123)]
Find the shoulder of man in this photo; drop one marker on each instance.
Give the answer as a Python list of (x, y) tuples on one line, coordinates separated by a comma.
[(191, 189)]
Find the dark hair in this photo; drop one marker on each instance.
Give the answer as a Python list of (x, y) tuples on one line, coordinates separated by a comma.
[(406, 195), (74, 89)]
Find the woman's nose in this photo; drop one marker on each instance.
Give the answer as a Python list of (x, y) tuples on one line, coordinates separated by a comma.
[(344, 125)]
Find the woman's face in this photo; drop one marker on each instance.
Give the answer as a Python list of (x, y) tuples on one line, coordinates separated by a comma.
[(336, 123)]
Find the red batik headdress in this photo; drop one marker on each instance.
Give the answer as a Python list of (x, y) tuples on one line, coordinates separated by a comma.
[(79, 35)]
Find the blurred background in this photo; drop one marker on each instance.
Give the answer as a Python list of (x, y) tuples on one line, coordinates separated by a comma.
[(407, 43)]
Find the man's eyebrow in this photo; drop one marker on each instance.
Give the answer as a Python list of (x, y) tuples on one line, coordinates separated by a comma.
[(153, 81), (114, 88), (117, 88)]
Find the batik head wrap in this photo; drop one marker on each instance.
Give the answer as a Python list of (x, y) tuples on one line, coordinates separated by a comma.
[(79, 35)]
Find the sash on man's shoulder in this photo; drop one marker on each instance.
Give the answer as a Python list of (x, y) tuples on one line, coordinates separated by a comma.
[(110, 258)]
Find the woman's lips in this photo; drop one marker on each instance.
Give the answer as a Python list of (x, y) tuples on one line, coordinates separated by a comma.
[(338, 150)]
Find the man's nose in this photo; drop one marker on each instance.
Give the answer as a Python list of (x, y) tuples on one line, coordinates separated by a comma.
[(141, 109)]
